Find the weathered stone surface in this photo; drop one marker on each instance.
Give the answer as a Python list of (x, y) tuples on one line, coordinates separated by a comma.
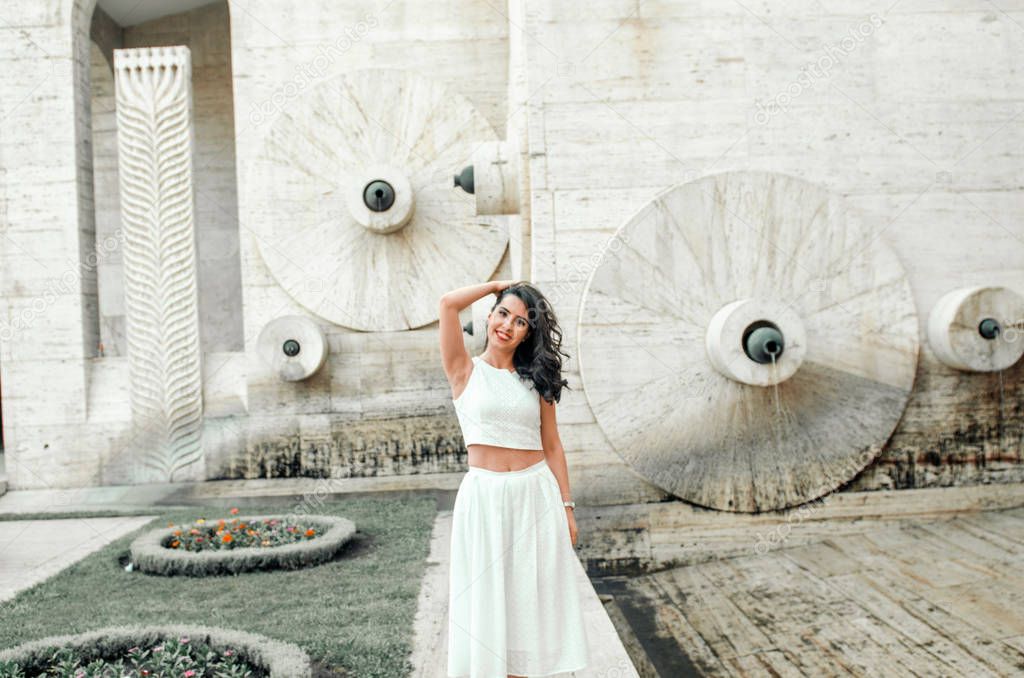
[(911, 119), (672, 387)]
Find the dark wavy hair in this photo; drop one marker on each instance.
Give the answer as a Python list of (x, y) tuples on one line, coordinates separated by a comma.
[(537, 356)]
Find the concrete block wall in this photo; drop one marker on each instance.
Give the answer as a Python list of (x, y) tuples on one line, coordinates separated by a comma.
[(110, 276), (909, 110), (46, 299), (64, 404), (53, 438), (381, 403)]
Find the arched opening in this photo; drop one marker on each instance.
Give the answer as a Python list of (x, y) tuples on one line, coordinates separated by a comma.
[(204, 27)]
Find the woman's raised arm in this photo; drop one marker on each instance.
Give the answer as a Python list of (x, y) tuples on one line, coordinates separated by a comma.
[(454, 357)]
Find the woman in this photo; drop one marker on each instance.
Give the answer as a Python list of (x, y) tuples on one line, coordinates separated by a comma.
[(513, 605)]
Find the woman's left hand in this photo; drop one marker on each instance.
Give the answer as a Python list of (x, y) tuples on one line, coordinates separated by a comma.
[(571, 516)]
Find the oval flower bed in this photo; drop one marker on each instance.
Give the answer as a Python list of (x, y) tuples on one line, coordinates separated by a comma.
[(171, 650), (239, 544)]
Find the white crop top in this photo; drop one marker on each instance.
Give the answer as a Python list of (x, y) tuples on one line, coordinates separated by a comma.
[(498, 407)]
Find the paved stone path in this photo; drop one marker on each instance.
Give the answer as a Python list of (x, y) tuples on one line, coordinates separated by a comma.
[(918, 597), (33, 550)]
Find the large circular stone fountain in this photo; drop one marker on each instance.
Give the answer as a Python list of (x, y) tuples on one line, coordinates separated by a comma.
[(745, 343), (359, 221)]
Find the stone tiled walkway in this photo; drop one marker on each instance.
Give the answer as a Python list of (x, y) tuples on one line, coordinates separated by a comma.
[(921, 597), (32, 550)]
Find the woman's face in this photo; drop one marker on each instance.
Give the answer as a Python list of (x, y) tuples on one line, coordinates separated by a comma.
[(506, 324)]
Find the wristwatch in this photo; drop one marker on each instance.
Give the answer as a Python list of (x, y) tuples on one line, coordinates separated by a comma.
[(569, 504)]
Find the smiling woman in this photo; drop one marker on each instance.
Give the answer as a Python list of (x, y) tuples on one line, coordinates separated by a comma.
[(513, 525)]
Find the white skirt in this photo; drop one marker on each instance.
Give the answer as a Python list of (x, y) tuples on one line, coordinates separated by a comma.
[(513, 603)]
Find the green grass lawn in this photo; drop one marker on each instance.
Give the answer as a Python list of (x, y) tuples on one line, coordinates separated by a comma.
[(353, 614)]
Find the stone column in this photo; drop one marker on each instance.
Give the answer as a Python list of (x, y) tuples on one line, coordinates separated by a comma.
[(154, 135), (47, 294)]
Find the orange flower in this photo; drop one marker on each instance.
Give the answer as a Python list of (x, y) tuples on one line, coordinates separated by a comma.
[(310, 532), (174, 544), (177, 533), (227, 538)]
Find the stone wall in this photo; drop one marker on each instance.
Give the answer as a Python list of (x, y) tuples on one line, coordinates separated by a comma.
[(907, 110), (910, 113), (46, 299), (373, 383)]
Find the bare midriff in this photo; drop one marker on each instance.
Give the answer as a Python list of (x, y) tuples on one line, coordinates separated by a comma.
[(502, 458)]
